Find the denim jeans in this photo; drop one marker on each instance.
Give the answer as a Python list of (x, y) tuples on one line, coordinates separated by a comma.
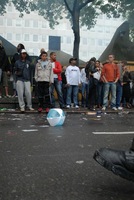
[(118, 93), (72, 89), (85, 92), (110, 86), (0, 74), (57, 85), (100, 93)]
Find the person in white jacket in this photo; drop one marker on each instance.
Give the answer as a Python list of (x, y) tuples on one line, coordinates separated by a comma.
[(73, 82)]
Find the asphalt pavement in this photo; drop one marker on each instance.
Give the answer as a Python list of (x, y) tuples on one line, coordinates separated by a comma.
[(40, 162)]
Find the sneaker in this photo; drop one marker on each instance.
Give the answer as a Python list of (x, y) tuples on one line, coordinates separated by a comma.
[(114, 108), (8, 96), (47, 110), (0, 96), (119, 162), (31, 109), (103, 108), (76, 106), (119, 108), (22, 109), (68, 106), (40, 109)]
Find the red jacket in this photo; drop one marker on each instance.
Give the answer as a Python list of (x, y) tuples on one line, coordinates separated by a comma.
[(57, 70)]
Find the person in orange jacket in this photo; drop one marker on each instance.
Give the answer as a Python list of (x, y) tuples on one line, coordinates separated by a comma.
[(57, 84)]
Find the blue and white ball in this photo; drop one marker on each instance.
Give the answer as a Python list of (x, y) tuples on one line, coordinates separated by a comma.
[(56, 117)]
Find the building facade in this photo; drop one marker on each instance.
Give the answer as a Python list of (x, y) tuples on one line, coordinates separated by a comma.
[(33, 31)]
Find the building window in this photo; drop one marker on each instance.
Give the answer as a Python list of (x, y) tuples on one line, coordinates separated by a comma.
[(44, 38), (44, 24), (9, 22), (26, 38), (107, 29), (27, 23), (35, 24), (92, 42), (84, 41), (68, 40), (18, 37), (18, 22), (100, 43), (9, 36), (35, 38), (1, 21)]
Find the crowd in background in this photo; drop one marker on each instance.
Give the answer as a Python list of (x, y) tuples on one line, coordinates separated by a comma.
[(100, 85)]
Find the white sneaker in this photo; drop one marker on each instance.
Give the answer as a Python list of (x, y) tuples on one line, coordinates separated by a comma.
[(22, 109), (68, 106), (31, 109), (114, 108), (76, 106), (0, 96), (103, 108), (119, 108)]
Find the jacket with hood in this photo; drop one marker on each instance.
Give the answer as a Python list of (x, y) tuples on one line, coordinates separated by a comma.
[(44, 73)]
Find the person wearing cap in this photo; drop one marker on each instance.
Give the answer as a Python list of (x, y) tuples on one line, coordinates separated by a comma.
[(23, 77), (57, 69), (73, 77), (4, 69), (16, 57)]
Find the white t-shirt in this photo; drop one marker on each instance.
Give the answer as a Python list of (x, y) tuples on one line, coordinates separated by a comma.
[(83, 76), (53, 66), (73, 75)]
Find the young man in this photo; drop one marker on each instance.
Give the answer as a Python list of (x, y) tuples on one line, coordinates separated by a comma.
[(44, 78), (110, 75), (57, 69), (73, 82), (16, 57), (23, 78)]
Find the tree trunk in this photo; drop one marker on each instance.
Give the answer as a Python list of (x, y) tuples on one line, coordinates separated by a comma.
[(76, 31)]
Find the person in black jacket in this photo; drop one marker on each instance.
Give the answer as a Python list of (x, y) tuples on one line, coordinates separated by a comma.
[(23, 74), (90, 70), (14, 59), (4, 69)]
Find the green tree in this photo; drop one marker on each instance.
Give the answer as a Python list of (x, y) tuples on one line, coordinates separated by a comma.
[(124, 8), (79, 12)]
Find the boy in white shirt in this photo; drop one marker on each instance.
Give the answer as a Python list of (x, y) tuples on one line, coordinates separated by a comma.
[(73, 82)]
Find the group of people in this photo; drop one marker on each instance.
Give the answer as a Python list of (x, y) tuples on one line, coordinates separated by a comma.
[(101, 85), (106, 85)]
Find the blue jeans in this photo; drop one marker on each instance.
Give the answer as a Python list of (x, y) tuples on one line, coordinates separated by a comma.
[(57, 85), (118, 93), (110, 86), (85, 92), (72, 89)]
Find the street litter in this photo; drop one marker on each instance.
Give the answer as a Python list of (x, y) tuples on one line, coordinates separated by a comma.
[(30, 130)]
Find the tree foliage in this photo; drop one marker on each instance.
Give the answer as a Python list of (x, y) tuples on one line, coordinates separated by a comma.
[(79, 12)]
